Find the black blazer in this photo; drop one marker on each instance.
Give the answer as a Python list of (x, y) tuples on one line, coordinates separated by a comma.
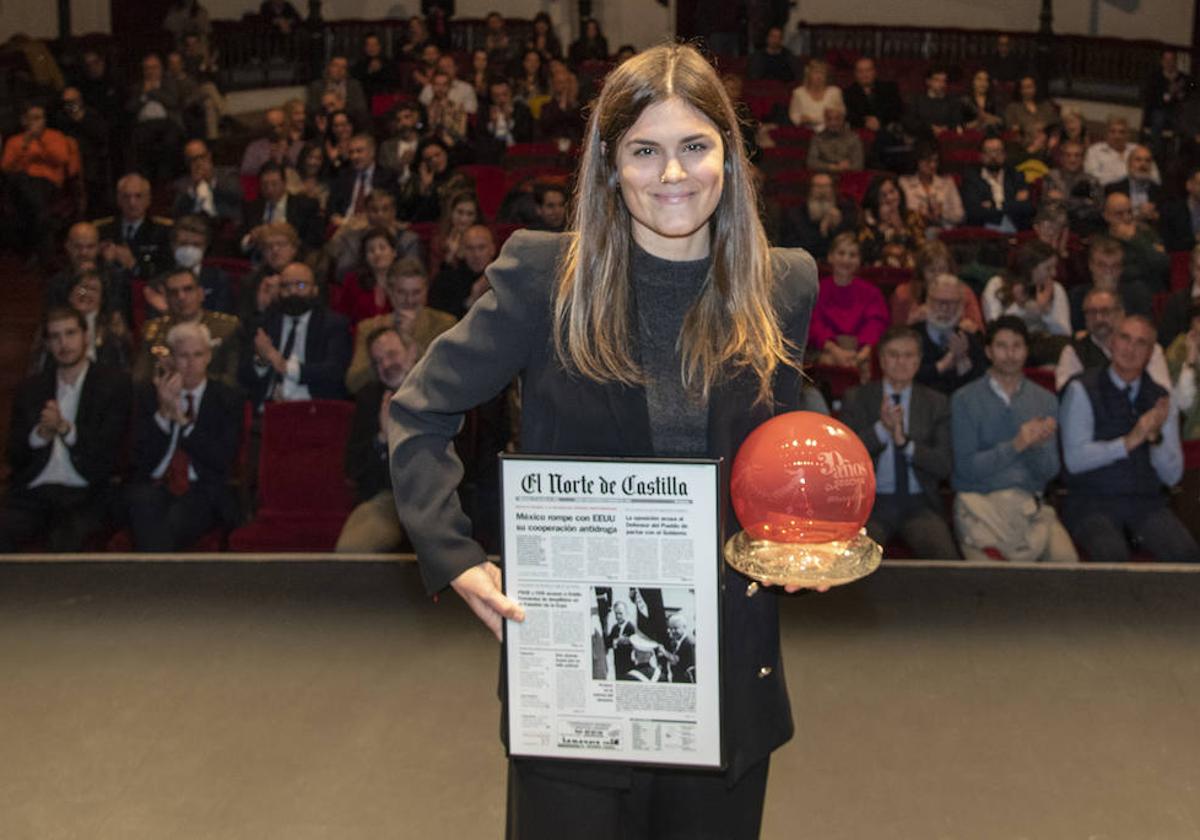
[(366, 458), (928, 428), (327, 351), (1176, 225), (981, 210), (99, 423), (950, 381), (508, 333), (883, 103), (303, 214), (227, 196), (151, 244), (342, 190)]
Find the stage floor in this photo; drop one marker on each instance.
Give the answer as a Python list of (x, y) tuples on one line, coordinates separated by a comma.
[(333, 700)]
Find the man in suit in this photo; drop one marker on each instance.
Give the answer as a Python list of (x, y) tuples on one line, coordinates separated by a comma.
[(187, 429), (679, 653), (933, 112), (995, 195), (950, 355), (1145, 194), (133, 242), (185, 304), (303, 348), (344, 247), (190, 236), (1145, 259), (1105, 268), (274, 204), (349, 193), (506, 122), (64, 438), (906, 429), (1181, 217), (82, 250), (618, 640), (458, 286), (337, 79), (1121, 448), (871, 103), (207, 190)]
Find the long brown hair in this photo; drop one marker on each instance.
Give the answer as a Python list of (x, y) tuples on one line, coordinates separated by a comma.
[(732, 324)]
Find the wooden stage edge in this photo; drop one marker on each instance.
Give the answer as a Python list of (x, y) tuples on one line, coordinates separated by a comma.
[(330, 557)]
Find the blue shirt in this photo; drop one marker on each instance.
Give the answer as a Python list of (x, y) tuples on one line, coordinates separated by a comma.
[(885, 464)]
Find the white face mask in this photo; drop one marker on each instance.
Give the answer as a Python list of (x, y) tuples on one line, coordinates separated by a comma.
[(188, 256)]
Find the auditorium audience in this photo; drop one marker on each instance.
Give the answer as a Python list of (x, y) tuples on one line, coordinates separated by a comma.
[(1004, 429), (207, 190), (1145, 195), (774, 61), (1070, 184), (349, 192), (459, 213), (457, 287), (190, 238), (890, 233), (933, 258), (36, 164), (274, 203), (507, 121), (1029, 108), (109, 341), (399, 150), (590, 46), (1003, 64), (979, 109), (374, 69), (1028, 291), (91, 130), (461, 93), (275, 146), (1092, 347), (1181, 358), (562, 116), (344, 248), (1105, 264), (1145, 259), (362, 293), (133, 243), (1175, 317), (933, 111), (1181, 217), (1165, 90), (153, 107), (872, 103), (1106, 160), (551, 202), (348, 90)]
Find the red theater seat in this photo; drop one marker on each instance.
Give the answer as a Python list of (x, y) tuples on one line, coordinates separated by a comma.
[(489, 186), (303, 497)]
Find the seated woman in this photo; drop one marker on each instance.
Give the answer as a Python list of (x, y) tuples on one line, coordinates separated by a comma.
[(888, 231), (459, 212), (814, 96), (979, 108), (363, 292), (850, 314), (1029, 291), (908, 299), (1182, 355), (1029, 109), (311, 179), (934, 197)]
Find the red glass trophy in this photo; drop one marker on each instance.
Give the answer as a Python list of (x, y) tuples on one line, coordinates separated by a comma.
[(802, 486)]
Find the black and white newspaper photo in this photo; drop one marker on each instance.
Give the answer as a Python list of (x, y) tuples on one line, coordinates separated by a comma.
[(617, 564)]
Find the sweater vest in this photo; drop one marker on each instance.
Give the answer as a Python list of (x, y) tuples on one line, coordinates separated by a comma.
[(1114, 416)]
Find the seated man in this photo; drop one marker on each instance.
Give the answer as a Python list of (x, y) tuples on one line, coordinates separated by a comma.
[(837, 148), (207, 190), (407, 290), (1120, 441), (373, 525), (906, 429), (933, 112), (1145, 258), (1181, 217), (190, 236), (1107, 160), (349, 193), (995, 195), (64, 441), (187, 429), (302, 349), (185, 305), (1105, 267), (1005, 452), (1145, 195), (551, 203), (337, 79), (950, 355), (871, 102), (82, 249), (274, 203), (1092, 347), (774, 61), (132, 242), (344, 248), (814, 224), (36, 164), (1071, 185), (266, 149), (505, 122), (458, 286)]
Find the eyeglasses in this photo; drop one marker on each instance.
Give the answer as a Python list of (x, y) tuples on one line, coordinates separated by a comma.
[(297, 285)]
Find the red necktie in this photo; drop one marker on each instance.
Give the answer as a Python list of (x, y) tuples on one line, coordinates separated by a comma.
[(177, 470)]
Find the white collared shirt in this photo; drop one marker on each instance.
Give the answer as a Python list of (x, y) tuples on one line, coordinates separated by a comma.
[(59, 469), (175, 429), (290, 387)]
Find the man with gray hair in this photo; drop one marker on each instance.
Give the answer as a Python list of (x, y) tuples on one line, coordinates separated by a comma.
[(187, 429), (1107, 160), (950, 355)]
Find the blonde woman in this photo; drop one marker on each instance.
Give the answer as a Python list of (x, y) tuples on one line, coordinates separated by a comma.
[(814, 96)]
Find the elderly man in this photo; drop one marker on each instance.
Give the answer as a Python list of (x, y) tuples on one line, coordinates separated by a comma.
[(1145, 195), (823, 215), (407, 290), (373, 525), (185, 305), (679, 653), (1120, 441), (187, 429), (133, 242), (1092, 348), (871, 103), (837, 148), (207, 190), (950, 356), (458, 286), (995, 195), (337, 80), (1145, 259), (349, 193), (64, 441), (1005, 452), (1105, 267), (302, 349), (36, 164), (1071, 185), (906, 429), (1107, 160)]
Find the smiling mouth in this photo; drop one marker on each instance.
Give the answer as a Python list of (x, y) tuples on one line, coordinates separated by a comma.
[(672, 198)]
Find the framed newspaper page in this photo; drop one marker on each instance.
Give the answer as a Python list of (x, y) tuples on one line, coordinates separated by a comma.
[(618, 566)]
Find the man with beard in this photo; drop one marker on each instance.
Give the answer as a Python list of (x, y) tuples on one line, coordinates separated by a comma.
[(400, 149), (185, 305), (302, 349), (950, 356), (1070, 184), (906, 429), (995, 195), (64, 440), (373, 526), (814, 224), (1092, 348), (1145, 195), (1107, 160), (458, 286), (1005, 451), (1121, 447)]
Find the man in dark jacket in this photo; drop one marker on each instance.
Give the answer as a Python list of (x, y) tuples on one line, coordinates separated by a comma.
[(871, 102), (995, 195)]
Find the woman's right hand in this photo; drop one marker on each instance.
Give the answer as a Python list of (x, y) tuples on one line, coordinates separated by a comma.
[(479, 586)]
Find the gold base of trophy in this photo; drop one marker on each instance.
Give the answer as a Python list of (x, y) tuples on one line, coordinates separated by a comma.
[(803, 564)]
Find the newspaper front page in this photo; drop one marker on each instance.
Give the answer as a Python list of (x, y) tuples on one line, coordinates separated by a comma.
[(617, 564)]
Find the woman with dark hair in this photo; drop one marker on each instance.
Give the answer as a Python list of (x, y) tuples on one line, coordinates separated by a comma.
[(529, 83), (979, 108), (543, 39), (1029, 291), (337, 143), (363, 292), (1029, 109), (109, 340), (310, 167), (591, 46), (888, 231), (459, 212), (374, 69), (480, 75), (933, 197), (662, 324)]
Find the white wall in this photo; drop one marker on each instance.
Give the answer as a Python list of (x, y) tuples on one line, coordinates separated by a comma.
[(39, 18)]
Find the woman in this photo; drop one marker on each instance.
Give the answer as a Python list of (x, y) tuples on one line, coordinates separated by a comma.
[(374, 70), (337, 143), (459, 212), (562, 115), (1029, 109), (311, 166), (480, 76), (814, 96), (415, 39), (544, 40), (664, 216), (908, 299), (979, 109), (1073, 127), (529, 86), (1029, 291), (889, 232), (932, 196), (591, 46), (363, 292), (850, 315)]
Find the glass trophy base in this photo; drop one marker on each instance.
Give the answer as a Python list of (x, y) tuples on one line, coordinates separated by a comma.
[(807, 565)]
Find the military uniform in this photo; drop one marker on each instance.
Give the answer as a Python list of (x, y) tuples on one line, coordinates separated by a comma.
[(150, 245), (225, 331)]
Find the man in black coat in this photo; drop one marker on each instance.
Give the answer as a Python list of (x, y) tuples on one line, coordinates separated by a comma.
[(348, 195), (211, 191), (617, 640), (64, 438), (1181, 217), (995, 195), (187, 430), (132, 242), (679, 653), (950, 356), (871, 102), (303, 348), (1145, 194), (505, 122), (275, 204)]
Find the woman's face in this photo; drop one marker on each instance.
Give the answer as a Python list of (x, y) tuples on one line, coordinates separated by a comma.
[(380, 254), (817, 77), (1028, 89), (479, 60), (844, 259), (927, 166), (980, 82), (532, 62), (342, 128), (1044, 272), (671, 165), (889, 197), (86, 296), (463, 215)]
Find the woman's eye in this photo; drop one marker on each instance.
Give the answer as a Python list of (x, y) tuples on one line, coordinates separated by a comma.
[(694, 147), (644, 151)]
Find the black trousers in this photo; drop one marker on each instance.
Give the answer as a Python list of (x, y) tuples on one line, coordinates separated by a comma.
[(658, 805), (912, 518), (162, 522), (67, 516)]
